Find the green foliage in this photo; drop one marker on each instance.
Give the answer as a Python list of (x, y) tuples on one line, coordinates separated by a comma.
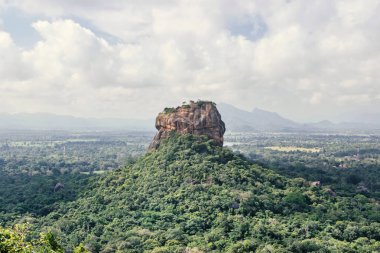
[(33, 163), (192, 196), (296, 200), (169, 110), (16, 240), (202, 102), (25, 194), (50, 242), (13, 240), (81, 249), (347, 163)]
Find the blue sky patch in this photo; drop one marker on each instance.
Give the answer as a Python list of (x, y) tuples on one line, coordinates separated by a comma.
[(19, 25), (251, 27)]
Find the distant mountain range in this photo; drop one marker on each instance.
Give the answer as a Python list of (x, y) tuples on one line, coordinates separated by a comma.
[(236, 120), (258, 120)]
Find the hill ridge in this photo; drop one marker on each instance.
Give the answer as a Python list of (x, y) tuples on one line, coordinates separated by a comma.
[(193, 196)]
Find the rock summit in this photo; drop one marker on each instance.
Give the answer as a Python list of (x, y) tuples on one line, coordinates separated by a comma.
[(198, 118)]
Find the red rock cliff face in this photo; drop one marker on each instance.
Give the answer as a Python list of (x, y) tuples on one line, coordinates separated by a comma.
[(200, 118)]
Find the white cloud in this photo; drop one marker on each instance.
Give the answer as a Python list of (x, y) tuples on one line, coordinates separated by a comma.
[(12, 66), (356, 98), (316, 98), (299, 58)]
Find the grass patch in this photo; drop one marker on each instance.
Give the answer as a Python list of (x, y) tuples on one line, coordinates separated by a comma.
[(293, 148)]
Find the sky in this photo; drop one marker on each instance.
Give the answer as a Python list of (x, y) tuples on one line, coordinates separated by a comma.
[(307, 60)]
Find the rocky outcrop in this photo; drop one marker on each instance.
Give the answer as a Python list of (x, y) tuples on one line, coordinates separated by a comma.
[(58, 187), (199, 118)]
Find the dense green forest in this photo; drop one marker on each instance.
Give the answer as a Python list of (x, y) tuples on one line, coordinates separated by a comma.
[(188, 196), (347, 163), (37, 195), (193, 196)]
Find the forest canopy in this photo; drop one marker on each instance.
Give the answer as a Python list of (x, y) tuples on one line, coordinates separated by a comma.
[(193, 196)]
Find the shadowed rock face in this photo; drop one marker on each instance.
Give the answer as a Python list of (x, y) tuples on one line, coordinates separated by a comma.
[(200, 118)]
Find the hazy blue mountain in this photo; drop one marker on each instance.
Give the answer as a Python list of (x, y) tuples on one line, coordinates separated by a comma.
[(238, 120), (46, 121), (257, 120)]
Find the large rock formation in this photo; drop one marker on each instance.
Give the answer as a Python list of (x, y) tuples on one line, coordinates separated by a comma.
[(199, 118)]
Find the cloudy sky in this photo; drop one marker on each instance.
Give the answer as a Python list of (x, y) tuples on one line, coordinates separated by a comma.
[(307, 60)]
